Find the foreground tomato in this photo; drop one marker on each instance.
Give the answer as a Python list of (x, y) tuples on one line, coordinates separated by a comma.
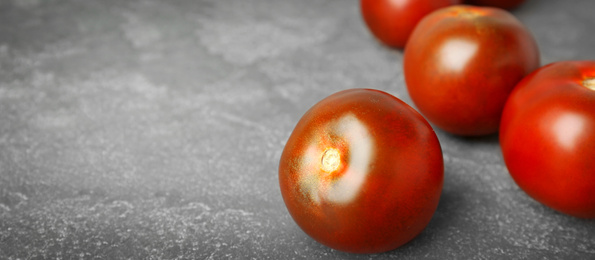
[(362, 172), (548, 139), (461, 63), (504, 4), (392, 21)]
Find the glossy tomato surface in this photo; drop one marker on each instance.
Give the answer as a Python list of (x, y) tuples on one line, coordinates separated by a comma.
[(504, 4), (362, 172), (461, 64), (392, 21), (548, 136)]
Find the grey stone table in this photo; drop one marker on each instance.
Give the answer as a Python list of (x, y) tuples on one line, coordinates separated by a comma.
[(152, 129)]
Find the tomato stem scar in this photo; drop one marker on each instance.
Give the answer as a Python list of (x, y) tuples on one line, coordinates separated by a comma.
[(468, 13), (589, 83), (331, 159)]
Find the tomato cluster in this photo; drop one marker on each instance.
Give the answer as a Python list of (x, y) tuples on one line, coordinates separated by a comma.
[(363, 171), (391, 22)]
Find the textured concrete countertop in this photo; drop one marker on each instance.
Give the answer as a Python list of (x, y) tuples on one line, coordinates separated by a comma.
[(152, 129)]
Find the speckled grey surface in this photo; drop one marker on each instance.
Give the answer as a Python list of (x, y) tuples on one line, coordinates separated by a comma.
[(152, 129)]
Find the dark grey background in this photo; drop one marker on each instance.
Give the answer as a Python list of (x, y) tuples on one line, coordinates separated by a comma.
[(152, 129)]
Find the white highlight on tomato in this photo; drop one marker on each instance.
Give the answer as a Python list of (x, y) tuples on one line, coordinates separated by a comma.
[(347, 186), (319, 178), (399, 3), (567, 129), (457, 53)]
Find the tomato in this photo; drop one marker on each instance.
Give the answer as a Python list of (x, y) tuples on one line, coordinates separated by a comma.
[(548, 139), (392, 21), (362, 172), (462, 62), (504, 4)]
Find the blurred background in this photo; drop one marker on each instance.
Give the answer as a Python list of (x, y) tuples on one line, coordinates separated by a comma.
[(152, 129)]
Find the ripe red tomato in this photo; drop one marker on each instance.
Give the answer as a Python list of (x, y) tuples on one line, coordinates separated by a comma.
[(548, 139), (362, 172), (504, 4), (461, 63), (392, 21)]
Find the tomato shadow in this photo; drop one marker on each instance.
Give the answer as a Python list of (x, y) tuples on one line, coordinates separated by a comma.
[(450, 219), (428, 240), (446, 218), (483, 139)]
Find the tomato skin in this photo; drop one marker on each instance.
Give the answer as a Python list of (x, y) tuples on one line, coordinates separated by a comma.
[(392, 21), (504, 4), (547, 137), (461, 64), (388, 183)]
